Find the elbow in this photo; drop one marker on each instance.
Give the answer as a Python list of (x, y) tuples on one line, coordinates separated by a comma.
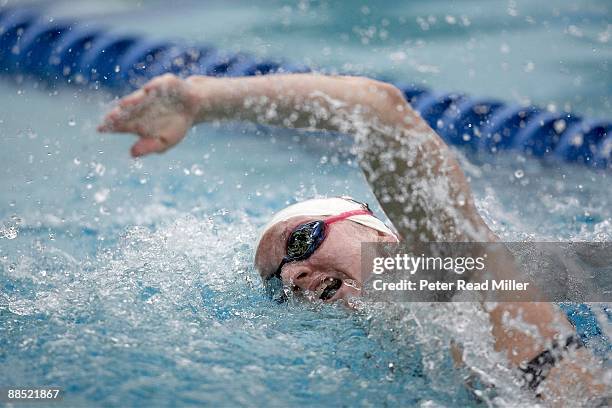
[(393, 94), (385, 95)]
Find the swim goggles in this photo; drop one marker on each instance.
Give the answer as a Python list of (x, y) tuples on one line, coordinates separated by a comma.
[(303, 242)]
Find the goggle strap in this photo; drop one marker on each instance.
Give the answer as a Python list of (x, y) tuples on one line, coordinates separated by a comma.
[(346, 215)]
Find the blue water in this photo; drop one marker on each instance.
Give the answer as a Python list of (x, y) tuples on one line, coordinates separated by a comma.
[(130, 282)]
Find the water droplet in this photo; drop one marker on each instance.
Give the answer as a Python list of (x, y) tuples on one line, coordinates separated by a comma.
[(197, 170), (101, 195), (577, 140), (10, 232), (559, 126), (99, 168)]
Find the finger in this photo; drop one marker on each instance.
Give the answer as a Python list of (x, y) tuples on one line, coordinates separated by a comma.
[(110, 120), (146, 146), (121, 120), (117, 128), (117, 125), (132, 99), (106, 126)]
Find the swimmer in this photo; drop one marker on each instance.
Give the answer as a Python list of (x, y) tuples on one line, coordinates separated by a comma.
[(314, 246)]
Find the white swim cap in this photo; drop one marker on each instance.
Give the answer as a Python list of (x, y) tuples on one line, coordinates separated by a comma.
[(323, 207)]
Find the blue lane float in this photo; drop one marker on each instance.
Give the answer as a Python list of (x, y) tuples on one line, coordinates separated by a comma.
[(76, 53), (66, 51), (503, 125)]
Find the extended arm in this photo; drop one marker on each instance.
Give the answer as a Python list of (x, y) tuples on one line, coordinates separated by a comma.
[(415, 177)]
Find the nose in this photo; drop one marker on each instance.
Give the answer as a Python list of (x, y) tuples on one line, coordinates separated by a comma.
[(297, 275)]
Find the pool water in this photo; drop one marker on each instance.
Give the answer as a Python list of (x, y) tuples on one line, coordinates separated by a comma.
[(130, 282)]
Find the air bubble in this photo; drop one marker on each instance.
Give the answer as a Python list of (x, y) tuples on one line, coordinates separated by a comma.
[(519, 174)]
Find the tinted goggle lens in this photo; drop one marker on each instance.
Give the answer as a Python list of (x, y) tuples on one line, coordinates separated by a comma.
[(304, 240)]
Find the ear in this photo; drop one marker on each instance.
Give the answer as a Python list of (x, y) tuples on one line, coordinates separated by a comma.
[(258, 261), (264, 255)]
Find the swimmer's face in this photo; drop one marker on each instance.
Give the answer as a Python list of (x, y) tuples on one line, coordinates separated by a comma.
[(332, 272)]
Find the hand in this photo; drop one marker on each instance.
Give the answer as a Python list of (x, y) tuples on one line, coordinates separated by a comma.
[(160, 113)]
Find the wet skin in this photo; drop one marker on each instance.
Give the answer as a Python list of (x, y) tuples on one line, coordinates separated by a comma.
[(337, 258)]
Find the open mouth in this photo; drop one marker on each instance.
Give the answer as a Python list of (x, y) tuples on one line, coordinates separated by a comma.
[(331, 286)]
